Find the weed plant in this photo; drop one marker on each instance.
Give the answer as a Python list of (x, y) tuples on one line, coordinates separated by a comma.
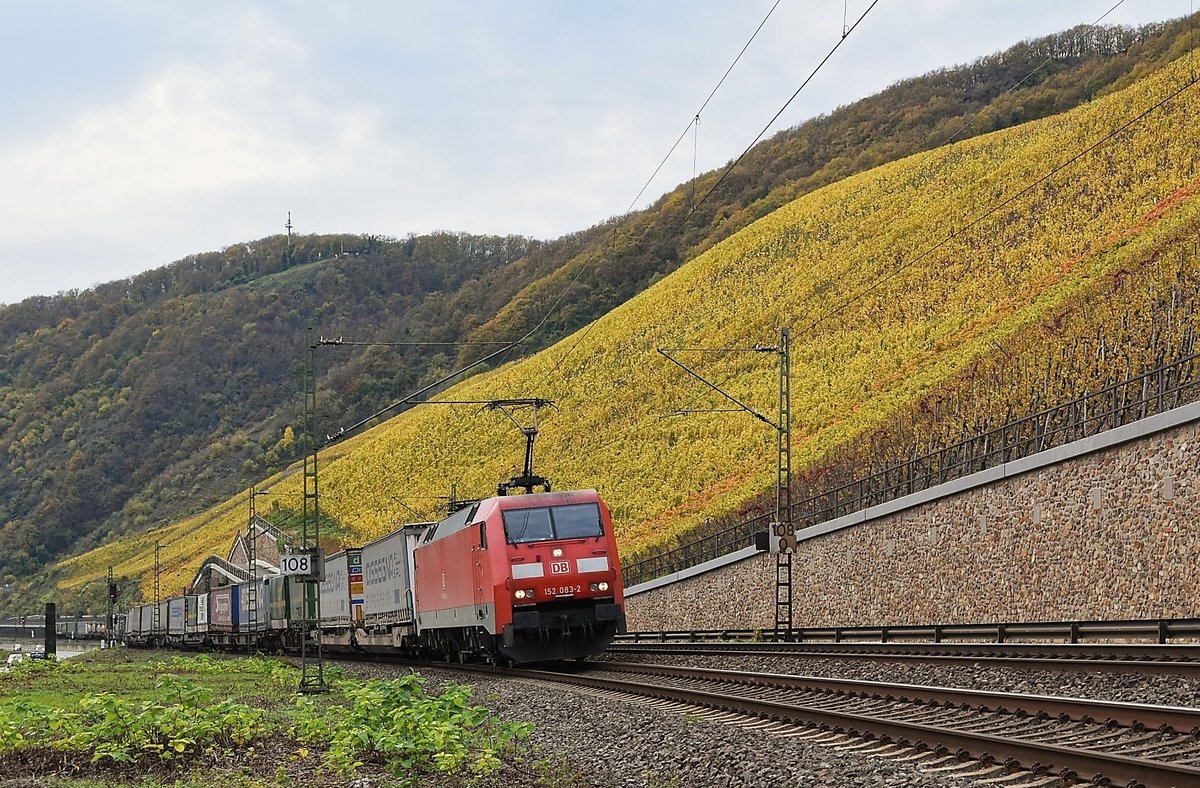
[(123, 717), (397, 723)]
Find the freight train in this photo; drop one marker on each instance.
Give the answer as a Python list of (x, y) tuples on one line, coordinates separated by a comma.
[(509, 579)]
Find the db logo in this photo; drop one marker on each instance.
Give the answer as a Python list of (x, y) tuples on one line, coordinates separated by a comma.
[(560, 567)]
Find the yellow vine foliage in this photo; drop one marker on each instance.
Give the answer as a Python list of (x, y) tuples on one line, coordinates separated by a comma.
[(891, 282)]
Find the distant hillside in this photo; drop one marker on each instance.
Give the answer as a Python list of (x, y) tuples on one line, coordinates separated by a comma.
[(922, 279), (137, 402), (132, 404)]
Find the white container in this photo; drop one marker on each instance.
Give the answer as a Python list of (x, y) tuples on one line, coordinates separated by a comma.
[(388, 578), (176, 615), (335, 591)]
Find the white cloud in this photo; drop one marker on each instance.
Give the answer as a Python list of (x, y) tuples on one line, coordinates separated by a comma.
[(141, 165), (190, 130)]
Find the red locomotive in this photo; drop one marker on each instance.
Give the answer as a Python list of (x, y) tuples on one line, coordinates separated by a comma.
[(510, 579), (520, 579)]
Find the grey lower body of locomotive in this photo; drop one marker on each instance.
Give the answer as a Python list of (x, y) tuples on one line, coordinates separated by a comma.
[(567, 632)]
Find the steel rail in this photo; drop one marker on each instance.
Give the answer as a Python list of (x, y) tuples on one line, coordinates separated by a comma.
[(1071, 762), (1157, 629), (1153, 717), (1068, 762), (1171, 660)]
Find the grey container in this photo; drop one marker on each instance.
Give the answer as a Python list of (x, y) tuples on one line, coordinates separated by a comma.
[(335, 591), (388, 576), (137, 621), (176, 615)]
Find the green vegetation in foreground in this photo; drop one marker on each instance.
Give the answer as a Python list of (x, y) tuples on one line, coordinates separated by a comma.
[(137, 718)]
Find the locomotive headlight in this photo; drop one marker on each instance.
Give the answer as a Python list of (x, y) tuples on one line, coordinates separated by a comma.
[(520, 594), (603, 586), (557, 552)]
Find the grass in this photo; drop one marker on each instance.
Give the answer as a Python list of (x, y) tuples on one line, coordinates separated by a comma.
[(123, 717)]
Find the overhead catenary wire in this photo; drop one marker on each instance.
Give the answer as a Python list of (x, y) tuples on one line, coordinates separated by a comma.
[(880, 280), (666, 354), (697, 203), (1002, 203), (412, 399), (693, 124), (971, 121), (756, 349), (728, 169), (699, 112)]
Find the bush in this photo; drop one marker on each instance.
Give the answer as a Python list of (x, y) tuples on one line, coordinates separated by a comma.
[(396, 724), (108, 727)]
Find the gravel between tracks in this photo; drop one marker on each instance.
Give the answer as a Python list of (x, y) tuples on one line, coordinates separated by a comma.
[(581, 739)]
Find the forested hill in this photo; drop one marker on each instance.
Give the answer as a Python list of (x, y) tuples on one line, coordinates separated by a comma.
[(124, 406), (127, 405)]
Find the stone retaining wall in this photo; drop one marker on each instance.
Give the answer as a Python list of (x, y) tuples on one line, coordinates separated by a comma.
[(1109, 535)]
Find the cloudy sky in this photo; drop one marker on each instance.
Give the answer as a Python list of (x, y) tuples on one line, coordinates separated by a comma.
[(136, 133)]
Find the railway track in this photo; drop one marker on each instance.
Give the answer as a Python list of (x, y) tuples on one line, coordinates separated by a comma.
[(1136, 658), (988, 736)]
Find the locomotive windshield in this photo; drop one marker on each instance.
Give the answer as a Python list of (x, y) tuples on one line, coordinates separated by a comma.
[(576, 520), (573, 521)]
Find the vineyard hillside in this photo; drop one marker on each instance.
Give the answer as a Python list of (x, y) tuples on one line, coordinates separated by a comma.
[(892, 281)]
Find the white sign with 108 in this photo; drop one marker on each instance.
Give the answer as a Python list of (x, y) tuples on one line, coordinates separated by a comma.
[(305, 566)]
